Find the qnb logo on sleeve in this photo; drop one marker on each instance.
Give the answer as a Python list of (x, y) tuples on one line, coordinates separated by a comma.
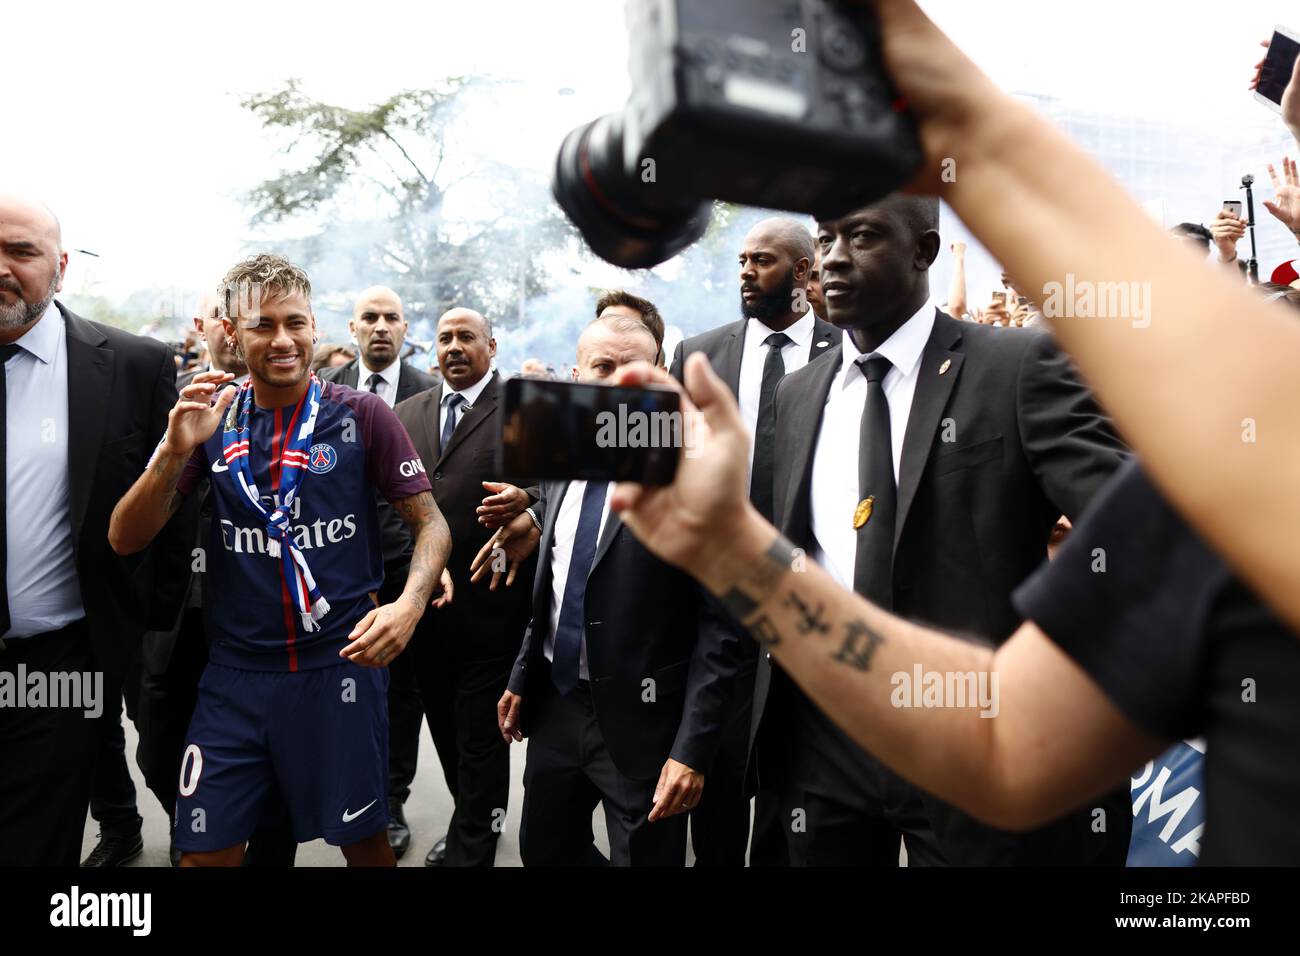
[(411, 468)]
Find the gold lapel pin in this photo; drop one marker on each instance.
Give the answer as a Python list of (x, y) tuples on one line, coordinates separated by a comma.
[(947, 364), (862, 513)]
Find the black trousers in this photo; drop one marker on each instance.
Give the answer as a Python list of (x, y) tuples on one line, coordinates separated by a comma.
[(568, 771), (459, 695), (112, 794), (720, 822), (44, 754), (171, 664), (838, 805)]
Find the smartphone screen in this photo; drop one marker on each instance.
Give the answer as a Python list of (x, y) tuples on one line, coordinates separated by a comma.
[(1279, 63), (569, 431)]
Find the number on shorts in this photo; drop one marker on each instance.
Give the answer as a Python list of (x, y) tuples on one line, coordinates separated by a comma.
[(192, 762)]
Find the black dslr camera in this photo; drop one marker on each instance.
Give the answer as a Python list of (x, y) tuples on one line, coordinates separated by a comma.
[(781, 104)]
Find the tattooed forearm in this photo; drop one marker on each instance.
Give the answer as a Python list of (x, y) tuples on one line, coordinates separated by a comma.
[(432, 546)]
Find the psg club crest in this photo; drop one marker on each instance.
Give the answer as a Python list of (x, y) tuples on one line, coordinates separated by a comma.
[(322, 458)]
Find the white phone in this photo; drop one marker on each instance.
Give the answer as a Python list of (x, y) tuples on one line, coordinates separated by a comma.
[(1279, 62), (1232, 207)]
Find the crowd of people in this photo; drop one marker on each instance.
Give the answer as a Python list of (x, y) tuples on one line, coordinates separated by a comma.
[(836, 638)]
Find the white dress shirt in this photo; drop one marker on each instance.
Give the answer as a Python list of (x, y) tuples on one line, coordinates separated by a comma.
[(44, 592), (470, 395), (566, 528), (387, 380), (834, 486), (794, 356)]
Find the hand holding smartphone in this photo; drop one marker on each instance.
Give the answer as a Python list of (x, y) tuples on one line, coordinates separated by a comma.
[(1277, 67)]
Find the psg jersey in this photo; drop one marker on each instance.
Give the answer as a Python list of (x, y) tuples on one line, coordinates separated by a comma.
[(357, 447)]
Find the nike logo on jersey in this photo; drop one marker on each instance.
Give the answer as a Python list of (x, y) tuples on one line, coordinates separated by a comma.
[(220, 465), (348, 817)]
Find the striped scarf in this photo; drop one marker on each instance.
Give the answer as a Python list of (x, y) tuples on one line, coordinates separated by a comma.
[(311, 604)]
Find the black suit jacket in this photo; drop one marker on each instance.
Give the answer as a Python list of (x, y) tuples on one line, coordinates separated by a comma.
[(479, 623), (395, 537), (1029, 443), (645, 620), (120, 389), (725, 347)]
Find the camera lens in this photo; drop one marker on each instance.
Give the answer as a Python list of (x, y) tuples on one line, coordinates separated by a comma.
[(633, 220)]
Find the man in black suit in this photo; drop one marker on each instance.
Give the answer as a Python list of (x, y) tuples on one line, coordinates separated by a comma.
[(923, 465), (378, 325), (85, 405), (776, 263), (464, 649), (624, 675)]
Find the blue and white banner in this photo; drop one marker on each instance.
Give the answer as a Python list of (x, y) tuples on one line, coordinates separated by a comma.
[(1169, 808)]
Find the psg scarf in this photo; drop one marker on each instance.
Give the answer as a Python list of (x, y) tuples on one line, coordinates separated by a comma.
[(310, 602)]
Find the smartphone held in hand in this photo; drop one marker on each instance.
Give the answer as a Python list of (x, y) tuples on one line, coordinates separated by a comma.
[(572, 431)]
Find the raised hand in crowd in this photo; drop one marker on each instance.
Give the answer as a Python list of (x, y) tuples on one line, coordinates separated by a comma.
[(1285, 204), (1227, 231)]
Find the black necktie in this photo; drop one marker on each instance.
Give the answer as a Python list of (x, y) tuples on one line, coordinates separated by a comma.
[(567, 653), (760, 478), (449, 426), (6, 353), (375, 380), (877, 494)]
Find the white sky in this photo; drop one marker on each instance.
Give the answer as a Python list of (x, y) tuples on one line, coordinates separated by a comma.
[(124, 116)]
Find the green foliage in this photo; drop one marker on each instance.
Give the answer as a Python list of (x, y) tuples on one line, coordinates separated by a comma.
[(388, 161)]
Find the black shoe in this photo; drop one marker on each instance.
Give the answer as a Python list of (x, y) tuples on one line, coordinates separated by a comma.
[(115, 850), (438, 855), (399, 834)]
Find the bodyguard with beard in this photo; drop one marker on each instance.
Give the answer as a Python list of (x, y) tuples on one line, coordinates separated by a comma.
[(778, 334), (84, 406)]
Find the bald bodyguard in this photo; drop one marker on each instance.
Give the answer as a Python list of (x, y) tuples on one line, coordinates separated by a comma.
[(83, 407)]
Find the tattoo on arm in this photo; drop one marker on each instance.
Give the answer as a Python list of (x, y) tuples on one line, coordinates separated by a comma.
[(432, 544), (860, 643), (169, 471), (810, 619), (743, 598)]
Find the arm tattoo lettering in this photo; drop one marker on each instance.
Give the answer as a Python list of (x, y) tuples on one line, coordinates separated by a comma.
[(810, 620), (860, 643)]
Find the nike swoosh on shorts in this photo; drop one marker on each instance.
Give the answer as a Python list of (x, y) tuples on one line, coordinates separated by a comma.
[(349, 817)]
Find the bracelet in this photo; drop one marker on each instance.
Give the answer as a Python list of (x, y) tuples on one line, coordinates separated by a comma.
[(533, 514)]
